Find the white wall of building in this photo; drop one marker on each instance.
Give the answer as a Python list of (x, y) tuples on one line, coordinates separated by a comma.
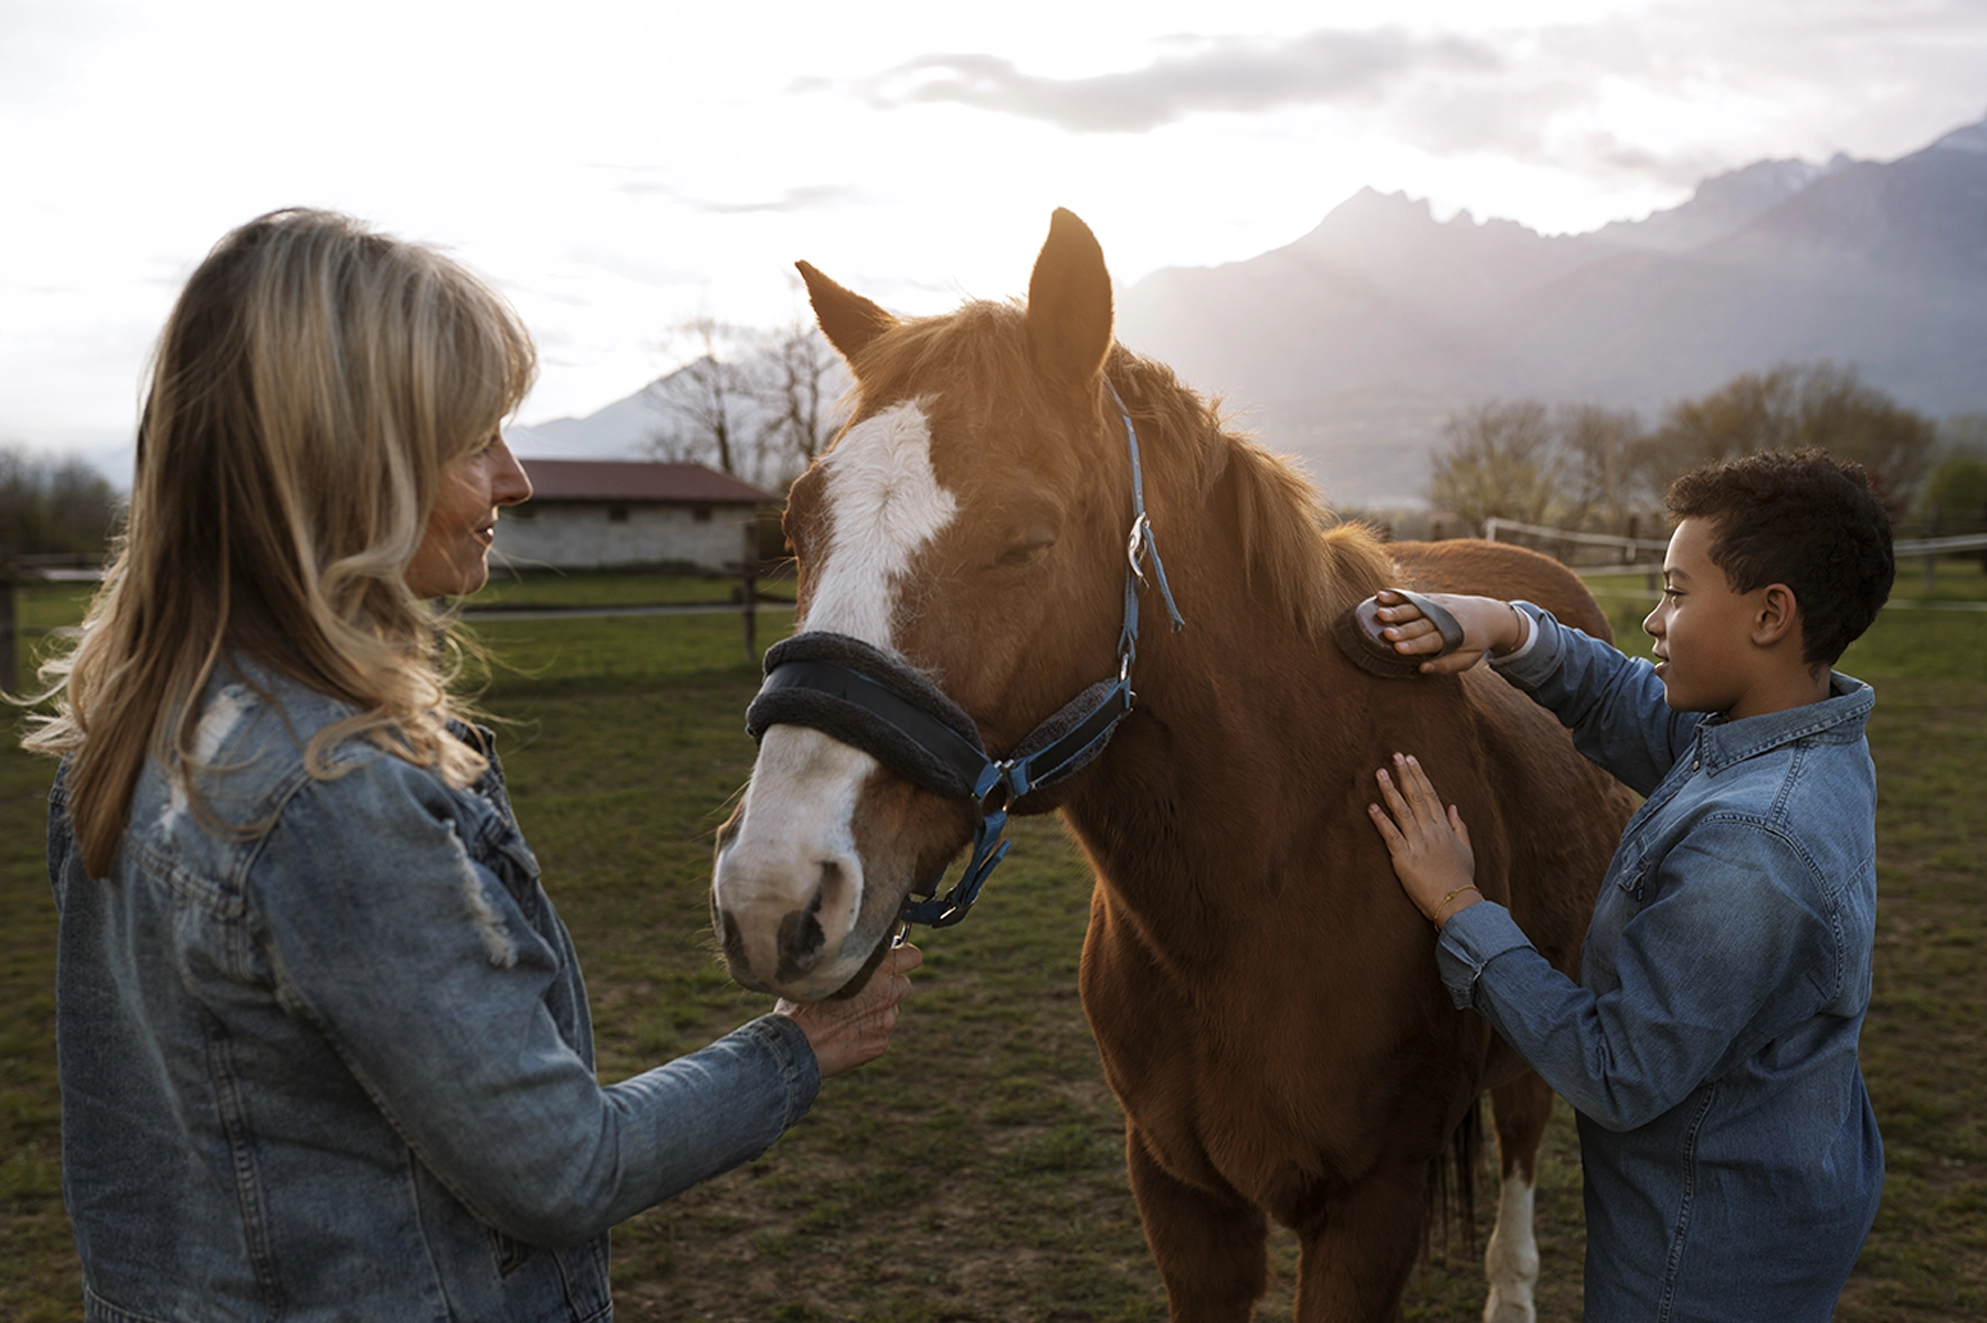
[(584, 535)]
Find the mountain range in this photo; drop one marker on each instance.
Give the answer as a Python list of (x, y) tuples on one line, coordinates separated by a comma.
[(1351, 346)]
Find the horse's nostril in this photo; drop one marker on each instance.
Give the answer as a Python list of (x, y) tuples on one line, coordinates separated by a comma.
[(802, 939), (801, 943), (733, 941)]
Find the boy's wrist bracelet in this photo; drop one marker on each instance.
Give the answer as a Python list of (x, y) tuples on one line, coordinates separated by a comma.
[(1443, 904)]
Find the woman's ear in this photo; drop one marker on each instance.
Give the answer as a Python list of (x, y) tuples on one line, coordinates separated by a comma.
[(1777, 617)]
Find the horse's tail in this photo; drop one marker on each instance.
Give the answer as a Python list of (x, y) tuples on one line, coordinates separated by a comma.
[(1451, 1197)]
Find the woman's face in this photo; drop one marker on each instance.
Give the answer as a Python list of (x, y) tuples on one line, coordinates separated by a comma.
[(454, 556)]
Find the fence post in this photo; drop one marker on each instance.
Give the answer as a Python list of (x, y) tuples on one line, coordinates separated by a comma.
[(749, 588), (1931, 560), (8, 632)]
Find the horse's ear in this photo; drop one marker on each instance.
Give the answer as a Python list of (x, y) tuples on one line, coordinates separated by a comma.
[(1069, 303), (849, 320)]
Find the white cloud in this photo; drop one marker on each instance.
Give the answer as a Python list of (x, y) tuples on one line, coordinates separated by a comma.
[(1234, 74), (132, 135)]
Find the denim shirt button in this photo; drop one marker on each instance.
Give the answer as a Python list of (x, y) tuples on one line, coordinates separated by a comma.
[(1696, 763)]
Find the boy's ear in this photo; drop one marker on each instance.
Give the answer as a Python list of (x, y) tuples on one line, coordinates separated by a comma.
[(1777, 617)]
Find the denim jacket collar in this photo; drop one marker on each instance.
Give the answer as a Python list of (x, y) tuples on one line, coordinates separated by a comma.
[(1723, 743)]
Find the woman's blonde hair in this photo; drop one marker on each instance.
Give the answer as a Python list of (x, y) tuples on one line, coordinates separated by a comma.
[(311, 383)]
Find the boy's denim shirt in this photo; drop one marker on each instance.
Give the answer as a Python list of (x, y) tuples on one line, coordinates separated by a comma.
[(1732, 1160), (342, 1068)]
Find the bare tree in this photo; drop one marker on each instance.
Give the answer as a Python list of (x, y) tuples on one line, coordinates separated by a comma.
[(1591, 468), (700, 401), (1789, 407), (1500, 461), (1964, 434), (797, 379), (1597, 449)]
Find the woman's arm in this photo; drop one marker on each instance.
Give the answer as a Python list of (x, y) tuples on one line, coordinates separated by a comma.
[(418, 966)]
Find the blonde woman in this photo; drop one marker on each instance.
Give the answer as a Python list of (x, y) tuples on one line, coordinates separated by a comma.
[(324, 1046)]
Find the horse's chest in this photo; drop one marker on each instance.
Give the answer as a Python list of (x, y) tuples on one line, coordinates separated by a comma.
[(1216, 1091)]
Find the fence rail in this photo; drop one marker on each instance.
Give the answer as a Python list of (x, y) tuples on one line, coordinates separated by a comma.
[(1927, 549), (1493, 526), (1905, 549), (16, 570)]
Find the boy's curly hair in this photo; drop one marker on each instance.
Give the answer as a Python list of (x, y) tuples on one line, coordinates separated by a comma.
[(1805, 519)]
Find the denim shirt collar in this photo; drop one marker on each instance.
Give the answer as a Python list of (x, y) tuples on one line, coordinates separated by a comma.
[(1722, 742)]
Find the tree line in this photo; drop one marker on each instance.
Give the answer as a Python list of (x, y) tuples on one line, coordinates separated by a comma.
[(1595, 469), (761, 404), (53, 506)]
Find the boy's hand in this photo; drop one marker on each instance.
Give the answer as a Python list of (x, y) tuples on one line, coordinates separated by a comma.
[(1489, 626), (1431, 851), (847, 1034)]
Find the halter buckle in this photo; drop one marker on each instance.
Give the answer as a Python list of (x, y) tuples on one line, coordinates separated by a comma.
[(996, 789), (1136, 545)]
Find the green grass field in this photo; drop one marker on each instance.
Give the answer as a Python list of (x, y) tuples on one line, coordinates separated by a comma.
[(975, 1173)]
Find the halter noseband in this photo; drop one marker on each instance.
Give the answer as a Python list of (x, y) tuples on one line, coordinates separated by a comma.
[(865, 698)]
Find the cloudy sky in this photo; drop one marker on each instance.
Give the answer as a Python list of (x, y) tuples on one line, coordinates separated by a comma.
[(618, 168)]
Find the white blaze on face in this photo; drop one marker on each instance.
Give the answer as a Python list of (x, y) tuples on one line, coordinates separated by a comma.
[(884, 505)]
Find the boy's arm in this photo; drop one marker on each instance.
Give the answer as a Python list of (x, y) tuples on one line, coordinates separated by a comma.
[(1734, 951), (1614, 705)]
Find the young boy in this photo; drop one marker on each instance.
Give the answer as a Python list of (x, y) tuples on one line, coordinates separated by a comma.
[(1732, 1162)]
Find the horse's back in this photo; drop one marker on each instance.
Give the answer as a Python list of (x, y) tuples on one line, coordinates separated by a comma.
[(1498, 569)]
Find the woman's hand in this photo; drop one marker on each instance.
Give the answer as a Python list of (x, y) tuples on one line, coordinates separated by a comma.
[(1431, 850), (1489, 626), (847, 1034)]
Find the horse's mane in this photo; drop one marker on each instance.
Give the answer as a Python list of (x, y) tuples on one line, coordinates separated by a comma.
[(1312, 573)]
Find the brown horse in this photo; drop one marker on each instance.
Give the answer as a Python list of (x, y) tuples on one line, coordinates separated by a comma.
[(1264, 997)]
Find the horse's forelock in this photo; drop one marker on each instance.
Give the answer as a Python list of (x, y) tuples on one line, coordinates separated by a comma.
[(975, 357)]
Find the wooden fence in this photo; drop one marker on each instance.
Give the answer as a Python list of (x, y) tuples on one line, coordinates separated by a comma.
[(17, 570), (1628, 549)]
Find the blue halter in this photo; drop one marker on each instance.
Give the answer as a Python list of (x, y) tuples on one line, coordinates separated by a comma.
[(864, 697)]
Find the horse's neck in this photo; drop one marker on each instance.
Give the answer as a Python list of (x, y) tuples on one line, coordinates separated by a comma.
[(1206, 776)]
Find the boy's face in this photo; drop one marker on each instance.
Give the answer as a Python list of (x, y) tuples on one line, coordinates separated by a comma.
[(1703, 629)]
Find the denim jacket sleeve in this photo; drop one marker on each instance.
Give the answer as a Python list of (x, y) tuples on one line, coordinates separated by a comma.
[(418, 965), (1613, 704), (1732, 952)]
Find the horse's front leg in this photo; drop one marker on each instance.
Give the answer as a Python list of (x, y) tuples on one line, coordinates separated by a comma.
[(1210, 1245), (1355, 1259)]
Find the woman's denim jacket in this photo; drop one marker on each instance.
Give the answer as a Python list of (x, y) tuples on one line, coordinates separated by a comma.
[(339, 1065), (1732, 1161)]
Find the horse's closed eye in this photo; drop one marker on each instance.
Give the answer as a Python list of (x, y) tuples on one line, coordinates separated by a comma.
[(1027, 547)]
